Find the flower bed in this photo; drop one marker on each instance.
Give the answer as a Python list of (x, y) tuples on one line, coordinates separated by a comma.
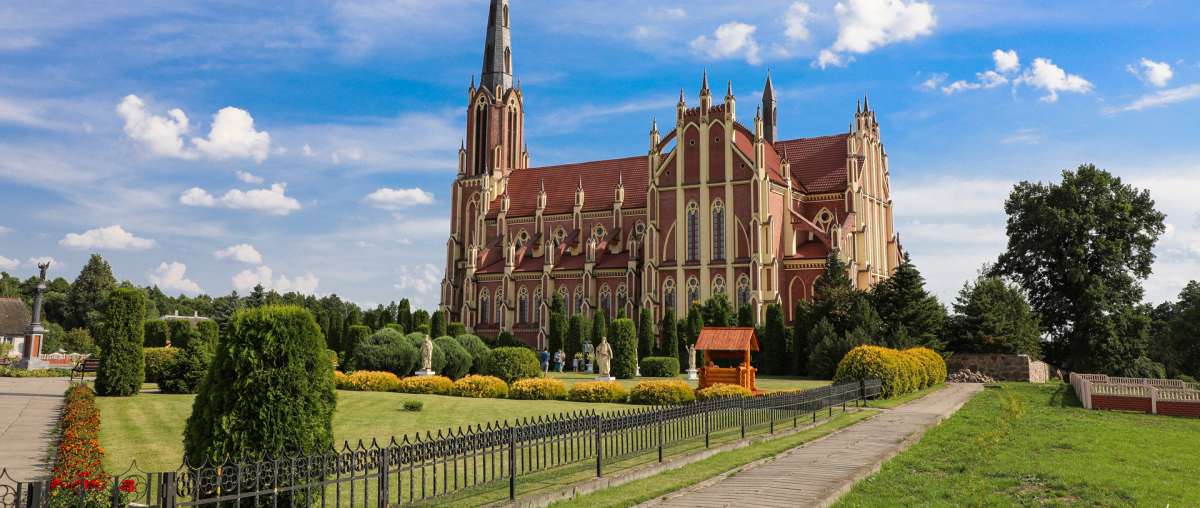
[(78, 477)]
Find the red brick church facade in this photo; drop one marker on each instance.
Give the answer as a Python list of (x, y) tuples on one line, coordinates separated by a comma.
[(716, 206)]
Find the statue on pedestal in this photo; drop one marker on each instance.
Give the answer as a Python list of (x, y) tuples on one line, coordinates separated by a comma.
[(604, 354), (427, 354), (691, 349)]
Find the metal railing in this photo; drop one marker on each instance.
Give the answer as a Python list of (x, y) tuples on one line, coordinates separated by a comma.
[(411, 470)]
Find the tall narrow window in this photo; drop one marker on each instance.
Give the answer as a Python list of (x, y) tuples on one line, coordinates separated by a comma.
[(507, 61), (562, 290), (718, 285), (499, 306), (693, 232), (579, 298), (622, 297), (537, 305), (484, 315), (506, 18), (718, 225), (693, 291), (524, 305), (669, 294), (743, 291), (606, 303)]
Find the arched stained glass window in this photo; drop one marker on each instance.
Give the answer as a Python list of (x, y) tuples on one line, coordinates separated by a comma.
[(606, 302), (718, 285), (579, 298), (718, 225), (499, 306), (484, 315), (537, 305), (562, 290), (693, 232), (693, 291), (622, 297), (669, 294), (523, 306), (743, 291)]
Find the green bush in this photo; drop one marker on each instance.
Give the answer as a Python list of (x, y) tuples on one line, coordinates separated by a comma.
[(478, 349), (456, 329), (156, 333), (269, 387), (209, 332), (661, 392), (437, 360), (506, 339), (413, 405), (597, 391), (538, 389), (724, 391), (122, 367), (656, 366), (156, 359), (180, 332), (187, 369), (483, 387), (395, 326), (512, 363), (386, 351), (458, 359), (354, 336), (932, 363), (623, 338), (437, 324), (645, 335), (14, 372)]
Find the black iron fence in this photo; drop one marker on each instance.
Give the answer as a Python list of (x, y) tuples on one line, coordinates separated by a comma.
[(411, 470)]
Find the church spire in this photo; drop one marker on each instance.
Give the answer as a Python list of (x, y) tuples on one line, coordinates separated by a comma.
[(497, 53), (769, 106)]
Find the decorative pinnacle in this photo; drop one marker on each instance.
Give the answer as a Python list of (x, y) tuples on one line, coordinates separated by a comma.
[(580, 186), (543, 191), (655, 127), (729, 88), (859, 107), (681, 95), (758, 112), (865, 106), (620, 180), (472, 80), (704, 87)]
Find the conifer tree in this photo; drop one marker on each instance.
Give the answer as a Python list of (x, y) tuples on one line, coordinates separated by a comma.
[(89, 291), (404, 316), (353, 317), (623, 340), (670, 335), (354, 336), (576, 334), (599, 328), (557, 336), (801, 325), (695, 323), (645, 335), (419, 317), (834, 276), (122, 366), (776, 343), (902, 301), (437, 327), (256, 298), (745, 318), (180, 332)]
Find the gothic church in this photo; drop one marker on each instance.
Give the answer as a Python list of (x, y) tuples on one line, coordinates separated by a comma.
[(715, 206)]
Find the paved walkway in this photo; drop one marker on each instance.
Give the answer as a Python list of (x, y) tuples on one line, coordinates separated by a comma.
[(29, 409), (817, 474)]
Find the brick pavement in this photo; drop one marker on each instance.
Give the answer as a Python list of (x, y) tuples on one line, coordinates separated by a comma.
[(29, 409)]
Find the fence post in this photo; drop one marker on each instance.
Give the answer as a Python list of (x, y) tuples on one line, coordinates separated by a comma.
[(660, 436), (512, 463), (35, 495), (707, 419), (743, 399), (168, 490), (599, 448), (383, 477), (1153, 400), (115, 497)]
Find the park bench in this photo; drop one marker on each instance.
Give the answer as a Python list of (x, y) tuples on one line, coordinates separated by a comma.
[(87, 365)]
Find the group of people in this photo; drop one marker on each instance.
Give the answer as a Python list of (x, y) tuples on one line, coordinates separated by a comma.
[(559, 359)]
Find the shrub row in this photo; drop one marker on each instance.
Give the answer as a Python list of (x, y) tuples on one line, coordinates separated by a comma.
[(15, 372), (901, 371), (435, 385), (661, 392), (598, 391), (652, 366), (724, 391), (480, 387), (538, 389)]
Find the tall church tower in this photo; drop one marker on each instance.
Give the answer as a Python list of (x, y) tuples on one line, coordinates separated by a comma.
[(495, 114)]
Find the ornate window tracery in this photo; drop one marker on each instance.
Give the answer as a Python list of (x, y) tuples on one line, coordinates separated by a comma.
[(718, 285), (693, 291), (484, 315), (605, 302), (669, 293), (622, 297), (499, 306), (537, 305), (598, 233), (523, 304), (718, 225), (693, 231), (743, 290), (579, 298), (559, 235)]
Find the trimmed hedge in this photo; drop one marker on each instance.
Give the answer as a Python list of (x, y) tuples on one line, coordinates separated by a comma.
[(434, 385), (386, 351), (478, 349), (156, 359), (458, 359), (538, 389), (597, 391), (661, 392), (209, 332), (724, 391), (512, 363), (456, 329), (156, 332), (622, 336), (482, 387), (901, 371), (657, 366), (368, 381), (123, 366), (933, 363)]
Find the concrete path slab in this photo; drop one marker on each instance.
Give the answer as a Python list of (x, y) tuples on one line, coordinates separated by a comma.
[(818, 473), (29, 410)]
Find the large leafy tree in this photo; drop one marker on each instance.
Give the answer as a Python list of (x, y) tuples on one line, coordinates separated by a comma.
[(907, 309), (88, 293), (1080, 249), (992, 316)]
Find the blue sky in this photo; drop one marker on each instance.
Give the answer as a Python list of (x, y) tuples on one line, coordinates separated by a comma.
[(321, 137)]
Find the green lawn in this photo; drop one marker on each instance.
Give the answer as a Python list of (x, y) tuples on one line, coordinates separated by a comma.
[(1055, 454)]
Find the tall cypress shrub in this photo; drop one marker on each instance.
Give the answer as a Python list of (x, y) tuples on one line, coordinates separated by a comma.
[(576, 331), (776, 342), (695, 323), (437, 325), (623, 339), (181, 332), (670, 335), (209, 333), (745, 317), (456, 329), (645, 335), (801, 324), (122, 365), (404, 316), (598, 329), (354, 336), (269, 387), (156, 333)]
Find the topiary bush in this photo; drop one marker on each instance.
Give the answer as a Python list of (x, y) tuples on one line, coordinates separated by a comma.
[(187, 369), (622, 336), (597, 391), (122, 366), (434, 385), (368, 381), (180, 332), (354, 336), (270, 376), (661, 392), (657, 366), (437, 359), (155, 334), (386, 351), (458, 359), (900, 371), (456, 329), (512, 363), (724, 391), (156, 359), (478, 349), (538, 389), (483, 387), (932, 363)]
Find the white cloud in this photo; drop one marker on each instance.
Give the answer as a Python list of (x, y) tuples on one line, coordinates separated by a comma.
[(5, 231), (170, 278), (1161, 98), (1006, 61), (245, 281), (732, 40), (279, 150), (8, 264), (991, 79), (112, 237), (272, 201), (796, 19), (248, 178), (1154, 73), (422, 279), (959, 86), (827, 57), (307, 150), (160, 135), (1047, 76), (244, 253), (933, 81), (233, 136), (395, 199), (865, 25)]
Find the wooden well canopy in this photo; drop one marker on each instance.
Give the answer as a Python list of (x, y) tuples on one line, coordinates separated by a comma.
[(727, 342)]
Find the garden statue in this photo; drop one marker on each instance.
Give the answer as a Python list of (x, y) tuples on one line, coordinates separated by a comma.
[(604, 354), (426, 356), (691, 349), (44, 266)]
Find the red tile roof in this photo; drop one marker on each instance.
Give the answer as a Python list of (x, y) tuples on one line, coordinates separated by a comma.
[(819, 164), (599, 185), (713, 338)]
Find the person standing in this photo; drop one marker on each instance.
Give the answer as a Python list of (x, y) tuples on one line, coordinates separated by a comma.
[(575, 363), (558, 361), (544, 357)]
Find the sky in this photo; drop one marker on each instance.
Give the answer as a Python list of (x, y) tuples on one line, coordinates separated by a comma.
[(310, 146)]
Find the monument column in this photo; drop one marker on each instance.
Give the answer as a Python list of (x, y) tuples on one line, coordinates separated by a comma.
[(32, 350)]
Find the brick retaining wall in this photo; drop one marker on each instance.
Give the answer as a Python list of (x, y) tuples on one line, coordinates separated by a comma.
[(1120, 403), (1001, 367), (1179, 408)]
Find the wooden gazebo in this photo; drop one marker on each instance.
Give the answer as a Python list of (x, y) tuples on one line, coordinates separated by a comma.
[(721, 342)]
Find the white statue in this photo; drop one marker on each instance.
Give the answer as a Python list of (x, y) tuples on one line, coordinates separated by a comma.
[(691, 349), (604, 354), (427, 354)]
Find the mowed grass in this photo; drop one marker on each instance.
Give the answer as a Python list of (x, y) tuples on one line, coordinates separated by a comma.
[(1056, 454)]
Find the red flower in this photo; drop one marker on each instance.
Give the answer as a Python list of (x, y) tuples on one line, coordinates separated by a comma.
[(56, 483), (128, 486)]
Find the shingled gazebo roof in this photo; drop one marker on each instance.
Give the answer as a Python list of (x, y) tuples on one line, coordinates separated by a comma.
[(14, 317), (715, 338)]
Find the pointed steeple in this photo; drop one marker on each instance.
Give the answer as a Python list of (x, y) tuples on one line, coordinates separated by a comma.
[(729, 89), (859, 108), (770, 107), (472, 81), (865, 106), (704, 86), (497, 53)]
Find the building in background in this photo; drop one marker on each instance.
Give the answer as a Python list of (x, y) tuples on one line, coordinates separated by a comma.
[(14, 319)]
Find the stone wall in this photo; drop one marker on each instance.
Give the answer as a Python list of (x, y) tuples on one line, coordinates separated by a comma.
[(1001, 367)]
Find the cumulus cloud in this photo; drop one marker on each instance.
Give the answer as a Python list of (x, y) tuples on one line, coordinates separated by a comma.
[(959, 86), (170, 278), (245, 281), (5, 231), (827, 57), (1162, 98), (232, 134), (991, 79), (307, 150), (1047, 76), (933, 81), (1006, 61), (272, 201), (731, 40), (1151, 72), (865, 25), (244, 253), (395, 199), (112, 237), (421, 279), (248, 178), (796, 19), (8, 264)]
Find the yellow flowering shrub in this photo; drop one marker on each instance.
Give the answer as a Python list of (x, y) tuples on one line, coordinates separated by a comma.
[(724, 391), (339, 379), (598, 391), (437, 385), (485, 387), (932, 363), (538, 389), (369, 381), (661, 392), (901, 371)]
